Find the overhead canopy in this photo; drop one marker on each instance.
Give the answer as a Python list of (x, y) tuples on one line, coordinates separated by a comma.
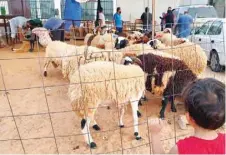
[(53, 23), (72, 11)]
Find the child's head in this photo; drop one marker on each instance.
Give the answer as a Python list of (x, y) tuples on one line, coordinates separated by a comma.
[(205, 103)]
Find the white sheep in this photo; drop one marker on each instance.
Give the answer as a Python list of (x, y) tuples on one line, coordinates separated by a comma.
[(168, 39), (101, 81), (43, 35), (84, 54), (192, 54), (58, 52), (100, 41)]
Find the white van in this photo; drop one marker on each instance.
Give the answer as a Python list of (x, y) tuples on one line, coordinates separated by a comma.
[(199, 13)]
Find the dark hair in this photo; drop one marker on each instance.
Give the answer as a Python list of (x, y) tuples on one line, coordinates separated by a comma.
[(101, 9), (118, 8), (205, 101), (146, 9)]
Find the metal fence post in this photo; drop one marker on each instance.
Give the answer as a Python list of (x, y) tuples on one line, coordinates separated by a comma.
[(22, 3)]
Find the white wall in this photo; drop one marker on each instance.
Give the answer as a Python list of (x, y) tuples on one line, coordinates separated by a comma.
[(132, 9), (192, 2)]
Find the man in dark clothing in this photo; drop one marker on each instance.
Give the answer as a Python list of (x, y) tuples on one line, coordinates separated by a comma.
[(31, 24), (146, 18), (169, 18)]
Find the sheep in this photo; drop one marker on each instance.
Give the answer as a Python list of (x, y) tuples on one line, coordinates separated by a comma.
[(100, 41), (97, 82), (43, 35), (110, 40), (58, 52), (69, 57), (192, 54), (167, 76), (83, 55), (167, 38)]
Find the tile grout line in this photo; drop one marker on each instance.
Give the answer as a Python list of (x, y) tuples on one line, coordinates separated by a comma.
[(14, 120)]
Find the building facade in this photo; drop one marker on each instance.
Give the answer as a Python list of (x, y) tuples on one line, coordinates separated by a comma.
[(89, 9), (42, 9)]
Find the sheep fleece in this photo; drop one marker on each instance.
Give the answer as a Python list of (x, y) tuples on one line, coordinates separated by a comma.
[(192, 54), (104, 81)]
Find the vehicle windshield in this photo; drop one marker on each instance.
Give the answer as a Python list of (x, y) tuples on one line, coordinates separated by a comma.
[(203, 12)]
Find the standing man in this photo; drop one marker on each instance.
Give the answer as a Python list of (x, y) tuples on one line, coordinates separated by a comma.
[(102, 24), (169, 18), (163, 21), (16, 25), (118, 20), (146, 18), (184, 25)]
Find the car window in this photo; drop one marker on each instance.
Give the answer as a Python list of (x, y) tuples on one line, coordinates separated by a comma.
[(175, 12), (203, 12), (216, 28), (203, 29)]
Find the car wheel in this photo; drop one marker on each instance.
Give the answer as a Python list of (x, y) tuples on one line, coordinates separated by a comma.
[(215, 62)]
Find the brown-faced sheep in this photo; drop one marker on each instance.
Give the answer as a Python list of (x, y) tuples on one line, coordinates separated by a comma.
[(167, 76)]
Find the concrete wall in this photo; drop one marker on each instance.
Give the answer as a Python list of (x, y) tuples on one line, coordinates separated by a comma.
[(132, 9)]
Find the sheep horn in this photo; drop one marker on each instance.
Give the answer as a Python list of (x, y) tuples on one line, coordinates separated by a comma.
[(137, 61)]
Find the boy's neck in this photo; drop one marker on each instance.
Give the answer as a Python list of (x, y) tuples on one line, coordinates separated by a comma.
[(205, 134)]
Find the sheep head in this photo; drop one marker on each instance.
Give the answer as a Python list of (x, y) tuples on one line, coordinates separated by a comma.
[(132, 60), (121, 42), (167, 30)]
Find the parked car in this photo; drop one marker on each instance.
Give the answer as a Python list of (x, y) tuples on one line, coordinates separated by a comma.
[(211, 36), (199, 13)]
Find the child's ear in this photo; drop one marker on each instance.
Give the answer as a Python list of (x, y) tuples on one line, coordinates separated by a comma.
[(187, 116), (190, 120)]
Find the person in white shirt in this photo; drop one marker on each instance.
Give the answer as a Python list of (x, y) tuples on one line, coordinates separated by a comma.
[(102, 25), (16, 26)]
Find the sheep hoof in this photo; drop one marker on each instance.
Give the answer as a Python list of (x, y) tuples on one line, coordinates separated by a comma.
[(93, 145), (144, 98), (162, 117), (137, 137), (45, 73), (138, 114), (174, 110), (96, 127), (140, 103), (121, 126), (136, 134)]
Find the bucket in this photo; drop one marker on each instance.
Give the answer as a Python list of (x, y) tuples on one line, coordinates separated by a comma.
[(3, 10)]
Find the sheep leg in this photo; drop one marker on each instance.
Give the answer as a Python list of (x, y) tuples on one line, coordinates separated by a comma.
[(122, 112), (54, 64), (85, 130), (45, 68), (143, 98), (173, 108), (148, 83), (134, 105), (95, 126), (164, 104)]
